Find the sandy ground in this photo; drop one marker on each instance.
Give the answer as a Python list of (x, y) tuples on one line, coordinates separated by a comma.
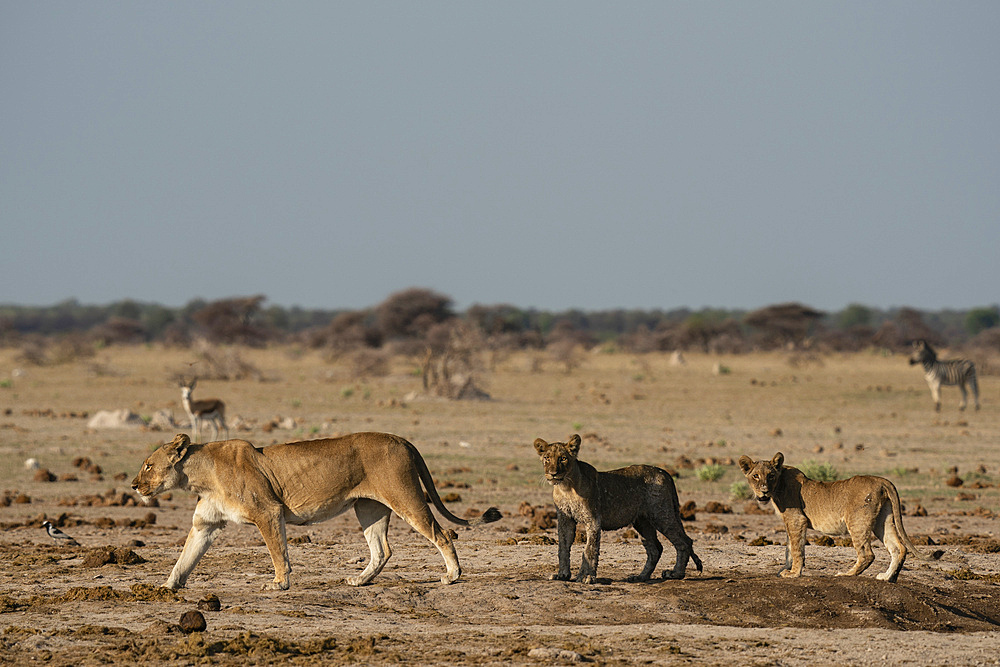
[(865, 413)]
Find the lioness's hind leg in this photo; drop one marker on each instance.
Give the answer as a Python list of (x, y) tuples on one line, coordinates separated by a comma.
[(647, 532), (414, 510), (887, 532), (374, 519)]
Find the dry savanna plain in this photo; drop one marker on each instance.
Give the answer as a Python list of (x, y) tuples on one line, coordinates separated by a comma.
[(100, 602)]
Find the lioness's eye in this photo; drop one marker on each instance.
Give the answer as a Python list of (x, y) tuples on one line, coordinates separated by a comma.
[(148, 466)]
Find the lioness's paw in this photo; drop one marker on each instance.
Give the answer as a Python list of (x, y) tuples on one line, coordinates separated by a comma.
[(588, 579), (559, 577), (636, 578), (789, 574), (670, 574), (275, 586)]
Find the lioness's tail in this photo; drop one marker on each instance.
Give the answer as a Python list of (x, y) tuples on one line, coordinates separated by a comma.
[(897, 516), (489, 516)]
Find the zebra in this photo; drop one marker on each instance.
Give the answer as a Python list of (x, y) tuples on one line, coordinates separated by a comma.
[(953, 372)]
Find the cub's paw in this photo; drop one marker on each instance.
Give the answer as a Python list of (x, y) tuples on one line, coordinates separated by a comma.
[(586, 579), (788, 574)]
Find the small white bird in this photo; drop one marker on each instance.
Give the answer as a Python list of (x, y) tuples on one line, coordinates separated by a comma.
[(57, 534)]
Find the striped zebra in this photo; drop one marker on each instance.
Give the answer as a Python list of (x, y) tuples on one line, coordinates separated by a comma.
[(953, 372)]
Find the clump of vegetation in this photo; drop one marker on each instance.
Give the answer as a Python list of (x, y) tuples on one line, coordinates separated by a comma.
[(710, 472), (821, 472), (740, 491)]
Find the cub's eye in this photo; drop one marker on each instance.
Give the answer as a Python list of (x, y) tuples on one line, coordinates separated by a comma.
[(148, 466), (756, 477)]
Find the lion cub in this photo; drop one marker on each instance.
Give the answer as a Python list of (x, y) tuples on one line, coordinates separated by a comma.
[(641, 496), (857, 507)]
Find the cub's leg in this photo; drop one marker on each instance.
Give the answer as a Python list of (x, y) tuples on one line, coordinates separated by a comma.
[(861, 537), (591, 554), (566, 527), (669, 523), (647, 532), (795, 526), (374, 519), (887, 531), (198, 541), (272, 527), (410, 505)]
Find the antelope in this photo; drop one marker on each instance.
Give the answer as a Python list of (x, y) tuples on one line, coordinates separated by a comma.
[(210, 409)]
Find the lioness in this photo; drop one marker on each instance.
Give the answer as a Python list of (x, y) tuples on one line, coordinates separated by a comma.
[(301, 483), (641, 496), (857, 507)]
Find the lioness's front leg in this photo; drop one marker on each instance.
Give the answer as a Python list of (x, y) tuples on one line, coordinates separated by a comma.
[(795, 527), (272, 528), (198, 541), (567, 534)]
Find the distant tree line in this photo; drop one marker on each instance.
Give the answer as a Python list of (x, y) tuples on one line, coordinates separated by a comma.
[(420, 321)]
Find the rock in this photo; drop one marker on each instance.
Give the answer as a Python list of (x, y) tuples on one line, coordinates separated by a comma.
[(210, 603), (193, 621), (123, 418)]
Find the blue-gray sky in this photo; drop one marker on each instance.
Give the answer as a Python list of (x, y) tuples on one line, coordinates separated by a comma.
[(543, 154)]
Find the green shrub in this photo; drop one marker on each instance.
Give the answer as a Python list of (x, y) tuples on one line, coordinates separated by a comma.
[(710, 472), (740, 491), (822, 472)]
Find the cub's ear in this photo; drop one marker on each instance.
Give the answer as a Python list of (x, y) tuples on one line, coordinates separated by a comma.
[(745, 464), (177, 448), (573, 444), (778, 459), (540, 446)]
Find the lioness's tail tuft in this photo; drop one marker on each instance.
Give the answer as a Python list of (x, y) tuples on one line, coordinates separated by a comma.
[(489, 516), (697, 561)]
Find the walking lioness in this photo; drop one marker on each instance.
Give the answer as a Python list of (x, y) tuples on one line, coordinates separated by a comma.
[(641, 496), (857, 507), (301, 483)]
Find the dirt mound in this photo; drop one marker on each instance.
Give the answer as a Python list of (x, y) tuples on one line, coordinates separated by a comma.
[(831, 603)]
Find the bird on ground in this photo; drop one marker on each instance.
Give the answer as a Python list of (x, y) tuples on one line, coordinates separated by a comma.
[(58, 535)]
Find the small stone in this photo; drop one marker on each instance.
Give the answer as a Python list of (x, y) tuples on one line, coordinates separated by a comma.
[(193, 621)]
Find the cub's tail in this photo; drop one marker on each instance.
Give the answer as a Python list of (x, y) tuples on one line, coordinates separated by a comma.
[(489, 516)]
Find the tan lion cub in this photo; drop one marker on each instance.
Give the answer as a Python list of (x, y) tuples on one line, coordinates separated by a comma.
[(857, 507), (641, 496)]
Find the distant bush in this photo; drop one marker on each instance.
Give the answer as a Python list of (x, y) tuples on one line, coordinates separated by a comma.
[(710, 472), (822, 472), (740, 491)]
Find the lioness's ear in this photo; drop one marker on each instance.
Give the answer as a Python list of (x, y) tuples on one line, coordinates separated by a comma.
[(778, 459), (573, 444), (177, 448), (745, 464), (540, 446)]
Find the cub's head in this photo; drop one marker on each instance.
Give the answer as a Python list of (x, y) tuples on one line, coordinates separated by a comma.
[(558, 458), (763, 476), (159, 472)]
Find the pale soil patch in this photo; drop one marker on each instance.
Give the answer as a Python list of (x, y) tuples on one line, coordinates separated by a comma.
[(629, 410)]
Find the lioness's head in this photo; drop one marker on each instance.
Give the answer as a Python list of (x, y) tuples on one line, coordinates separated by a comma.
[(159, 471), (763, 476), (558, 458)]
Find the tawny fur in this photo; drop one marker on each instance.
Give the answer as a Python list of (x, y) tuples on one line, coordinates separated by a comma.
[(858, 507), (640, 496), (301, 483)]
